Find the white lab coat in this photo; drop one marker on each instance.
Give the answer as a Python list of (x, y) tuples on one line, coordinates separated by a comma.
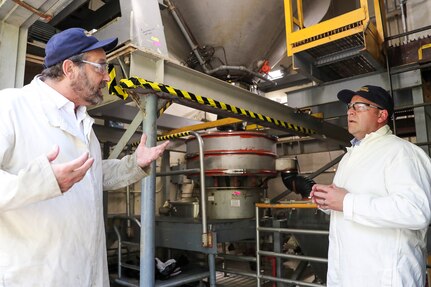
[(48, 238), (380, 238)]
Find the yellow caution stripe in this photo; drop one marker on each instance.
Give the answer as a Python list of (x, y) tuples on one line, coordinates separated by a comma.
[(172, 136), (113, 88), (166, 137), (163, 109), (135, 82)]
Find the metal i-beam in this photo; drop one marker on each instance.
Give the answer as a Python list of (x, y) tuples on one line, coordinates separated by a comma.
[(327, 93), (180, 77)]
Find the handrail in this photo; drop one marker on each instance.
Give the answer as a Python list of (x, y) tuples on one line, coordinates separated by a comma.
[(282, 255), (125, 217), (206, 238), (408, 33), (203, 205), (294, 231), (120, 243)]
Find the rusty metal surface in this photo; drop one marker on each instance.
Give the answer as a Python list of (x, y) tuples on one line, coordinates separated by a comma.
[(356, 40), (407, 53)]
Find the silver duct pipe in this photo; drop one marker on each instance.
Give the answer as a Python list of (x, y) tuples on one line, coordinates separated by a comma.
[(187, 33), (240, 68), (403, 7), (194, 46)]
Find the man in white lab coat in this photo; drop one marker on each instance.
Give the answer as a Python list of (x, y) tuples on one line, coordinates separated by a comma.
[(51, 171), (380, 200)]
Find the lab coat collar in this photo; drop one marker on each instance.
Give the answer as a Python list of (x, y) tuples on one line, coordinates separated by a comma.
[(54, 104), (55, 97), (385, 130)]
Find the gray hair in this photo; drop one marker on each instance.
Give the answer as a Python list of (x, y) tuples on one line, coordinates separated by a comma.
[(55, 72)]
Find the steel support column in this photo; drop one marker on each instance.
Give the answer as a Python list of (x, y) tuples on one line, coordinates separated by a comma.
[(148, 194), (147, 246), (13, 40)]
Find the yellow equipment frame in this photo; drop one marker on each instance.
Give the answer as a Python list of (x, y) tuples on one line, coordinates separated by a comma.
[(353, 22)]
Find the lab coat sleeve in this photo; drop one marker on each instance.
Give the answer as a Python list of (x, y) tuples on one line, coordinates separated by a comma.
[(407, 203), (33, 183), (118, 173)]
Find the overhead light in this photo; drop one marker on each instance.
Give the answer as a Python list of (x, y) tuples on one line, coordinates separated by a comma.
[(276, 74)]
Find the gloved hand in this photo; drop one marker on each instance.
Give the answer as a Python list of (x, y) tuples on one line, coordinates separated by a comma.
[(297, 183)]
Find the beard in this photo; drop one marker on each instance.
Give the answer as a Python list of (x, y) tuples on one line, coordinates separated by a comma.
[(86, 91)]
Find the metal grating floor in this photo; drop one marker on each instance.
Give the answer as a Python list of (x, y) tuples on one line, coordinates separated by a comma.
[(234, 280)]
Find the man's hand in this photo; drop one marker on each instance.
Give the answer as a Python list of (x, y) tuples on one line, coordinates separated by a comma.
[(328, 196), (69, 173), (145, 155)]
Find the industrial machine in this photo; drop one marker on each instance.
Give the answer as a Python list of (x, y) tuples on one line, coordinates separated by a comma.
[(237, 166)]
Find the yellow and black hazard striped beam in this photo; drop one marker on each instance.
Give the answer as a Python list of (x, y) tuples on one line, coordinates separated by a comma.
[(167, 137), (172, 136), (134, 82), (113, 88), (163, 108)]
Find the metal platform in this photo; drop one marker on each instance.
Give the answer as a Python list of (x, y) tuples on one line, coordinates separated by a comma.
[(234, 280), (188, 275)]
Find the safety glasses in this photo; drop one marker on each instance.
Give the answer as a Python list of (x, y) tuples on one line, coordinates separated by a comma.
[(101, 68), (361, 107)]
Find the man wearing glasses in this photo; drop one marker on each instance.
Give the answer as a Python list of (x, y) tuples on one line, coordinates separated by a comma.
[(51, 170), (380, 200)]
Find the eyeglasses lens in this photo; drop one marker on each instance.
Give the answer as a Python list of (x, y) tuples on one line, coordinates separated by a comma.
[(358, 107)]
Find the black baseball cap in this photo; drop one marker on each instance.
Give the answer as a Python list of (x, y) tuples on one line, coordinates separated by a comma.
[(375, 94), (71, 42)]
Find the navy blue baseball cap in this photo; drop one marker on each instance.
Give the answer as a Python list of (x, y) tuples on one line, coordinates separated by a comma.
[(71, 42), (375, 94)]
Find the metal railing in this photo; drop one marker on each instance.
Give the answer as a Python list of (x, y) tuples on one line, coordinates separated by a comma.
[(260, 253), (121, 244)]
